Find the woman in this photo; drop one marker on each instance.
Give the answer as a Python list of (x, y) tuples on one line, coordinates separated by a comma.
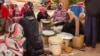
[(59, 14), (49, 3), (13, 41), (5, 21), (16, 11), (34, 44), (30, 4), (70, 24), (24, 8), (42, 14), (11, 9), (91, 22)]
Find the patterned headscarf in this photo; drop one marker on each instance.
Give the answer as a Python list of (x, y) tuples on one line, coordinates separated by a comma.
[(42, 10), (60, 6), (16, 31)]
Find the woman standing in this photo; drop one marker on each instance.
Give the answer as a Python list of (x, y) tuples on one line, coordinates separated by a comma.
[(91, 22)]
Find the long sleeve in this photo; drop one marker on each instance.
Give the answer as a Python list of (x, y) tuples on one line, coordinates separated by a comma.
[(31, 32), (69, 27), (39, 17)]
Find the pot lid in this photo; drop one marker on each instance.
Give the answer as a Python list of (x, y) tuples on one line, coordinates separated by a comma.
[(48, 32)]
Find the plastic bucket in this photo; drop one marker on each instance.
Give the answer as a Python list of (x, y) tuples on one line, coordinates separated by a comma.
[(66, 39), (55, 45), (76, 9), (66, 42), (46, 34), (45, 39)]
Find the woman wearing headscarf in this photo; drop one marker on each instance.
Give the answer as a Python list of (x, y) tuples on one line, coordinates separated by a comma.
[(50, 2), (24, 8), (92, 21), (42, 14), (16, 11), (69, 25), (59, 14), (34, 44), (4, 17), (11, 8), (13, 41), (30, 4)]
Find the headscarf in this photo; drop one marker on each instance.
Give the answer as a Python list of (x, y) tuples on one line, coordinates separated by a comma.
[(60, 13), (71, 14), (11, 6), (60, 6), (16, 31), (24, 8), (30, 4), (42, 10)]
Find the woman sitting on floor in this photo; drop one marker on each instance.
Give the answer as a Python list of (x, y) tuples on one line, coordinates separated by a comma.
[(70, 23), (12, 44), (42, 14)]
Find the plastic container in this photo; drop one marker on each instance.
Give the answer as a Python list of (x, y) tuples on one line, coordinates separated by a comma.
[(55, 45), (66, 38), (46, 34), (76, 9), (45, 39), (57, 29)]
